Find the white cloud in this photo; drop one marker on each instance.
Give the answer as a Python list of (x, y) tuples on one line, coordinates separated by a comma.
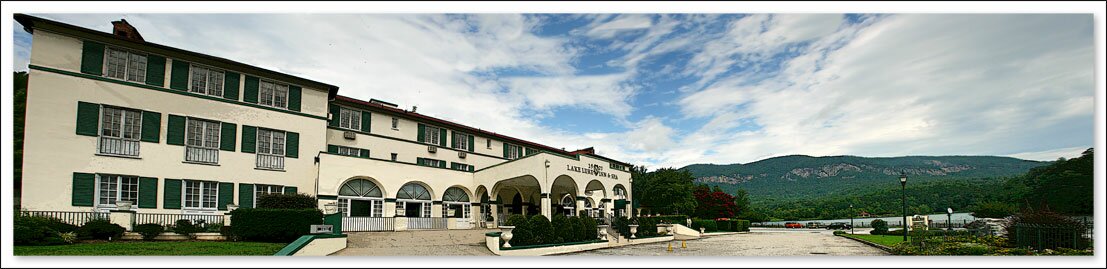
[(1051, 155), (610, 28)]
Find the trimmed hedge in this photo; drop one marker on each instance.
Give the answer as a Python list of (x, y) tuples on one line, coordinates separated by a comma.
[(537, 230), (879, 227), (39, 231), (707, 225), (272, 224), (287, 201), (562, 231), (101, 229), (733, 225), (149, 230)]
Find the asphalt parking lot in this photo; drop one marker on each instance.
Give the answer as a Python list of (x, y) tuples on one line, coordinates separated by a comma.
[(758, 242)]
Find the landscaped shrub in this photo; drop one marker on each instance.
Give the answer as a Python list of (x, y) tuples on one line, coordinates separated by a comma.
[(588, 229), (287, 201), (541, 229), (622, 225), (707, 225), (879, 227), (149, 230), (188, 227), (68, 237), (28, 230), (273, 225), (742, 225), (101, 229), (1025, 228), (647, 227), (562, 231)]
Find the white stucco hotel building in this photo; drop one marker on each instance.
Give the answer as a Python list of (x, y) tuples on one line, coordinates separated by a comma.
[(111, 117)]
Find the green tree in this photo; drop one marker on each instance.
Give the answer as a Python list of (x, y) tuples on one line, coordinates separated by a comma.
[(742, 201), (19, 117), (665, 191)]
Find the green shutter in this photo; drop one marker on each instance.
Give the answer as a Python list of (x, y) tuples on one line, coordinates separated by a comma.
[(471, 168), (422, 136), (88, 118), (471, 145), (230, 85), (227, 136), (294, 97), (226, 195), (155, 70), (92, 58), (172, 194), (453, 144), (419, 161), (335, 112), (442, 137), (151, 126), (505, 150), (175, 130), (332, 149), (366, 120), (364, 153), (147, 192), (245, 195), (250, 90), (249, 138), (441, 164), (178, 79), (292, 145), (289, 190), (84, 188)]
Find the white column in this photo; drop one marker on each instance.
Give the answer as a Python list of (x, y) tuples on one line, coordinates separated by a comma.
[(436, 210), (546, 207), (579, 207), (389, 209), (495, 212)]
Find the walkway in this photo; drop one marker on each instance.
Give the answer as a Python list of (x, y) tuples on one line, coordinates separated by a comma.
[(417, 243), (759, 242)]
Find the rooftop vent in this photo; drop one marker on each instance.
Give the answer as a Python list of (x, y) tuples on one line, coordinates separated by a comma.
[(124, 30), (375, 101)]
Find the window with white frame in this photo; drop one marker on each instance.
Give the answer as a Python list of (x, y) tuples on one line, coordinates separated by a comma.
[(263, 189), (273, 94), (431, 134), (395, 123), (202, 143), (125, 64), (461, 141), (270, 142), (120, 130), (348, 151), (430, 162), (112, 188), (513, 151), (206, 80), (201, 194), (349, 119)]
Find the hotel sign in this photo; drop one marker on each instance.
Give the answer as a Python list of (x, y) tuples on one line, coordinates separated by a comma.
[(592, 169)]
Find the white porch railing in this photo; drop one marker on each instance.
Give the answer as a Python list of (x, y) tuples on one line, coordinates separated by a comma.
[(426, 223), (368, 224), (118, 146), (272, 162)]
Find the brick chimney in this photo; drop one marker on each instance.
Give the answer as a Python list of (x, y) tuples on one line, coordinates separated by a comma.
[(588, 150), (124, 30)]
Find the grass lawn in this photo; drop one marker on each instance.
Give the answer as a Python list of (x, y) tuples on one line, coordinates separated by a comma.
[(156, 248), (885, 240)]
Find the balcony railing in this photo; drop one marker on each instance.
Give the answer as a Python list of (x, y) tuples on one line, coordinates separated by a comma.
[(271, 162), (368, 224), (70, 217), (118, 146), (426, 223), (171, 219), (201, 155)]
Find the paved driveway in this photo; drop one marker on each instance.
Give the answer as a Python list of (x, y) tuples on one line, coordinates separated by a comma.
[(759, 242)]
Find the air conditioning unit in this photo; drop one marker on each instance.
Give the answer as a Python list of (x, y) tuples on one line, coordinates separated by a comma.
[(349, 135), (432, 149), (461, 154)]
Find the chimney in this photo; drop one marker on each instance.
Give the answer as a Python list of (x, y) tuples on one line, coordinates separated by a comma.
[(124, 30)]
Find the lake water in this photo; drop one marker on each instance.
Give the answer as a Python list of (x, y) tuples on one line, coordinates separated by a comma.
[(960, 218)]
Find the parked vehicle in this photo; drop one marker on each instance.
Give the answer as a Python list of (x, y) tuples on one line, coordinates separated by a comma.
[(813, 225), (793, 225), (839, 226)]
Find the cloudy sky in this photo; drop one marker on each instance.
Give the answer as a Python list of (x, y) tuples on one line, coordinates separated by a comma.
[(671, 90)]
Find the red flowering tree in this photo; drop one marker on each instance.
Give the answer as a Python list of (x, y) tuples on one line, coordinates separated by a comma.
[(714, 203)]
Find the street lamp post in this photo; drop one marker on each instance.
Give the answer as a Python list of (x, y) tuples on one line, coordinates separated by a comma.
[(949, 219), (850, 218), (903, 193)]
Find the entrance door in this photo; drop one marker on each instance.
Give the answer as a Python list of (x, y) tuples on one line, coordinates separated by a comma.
[(361, 208)]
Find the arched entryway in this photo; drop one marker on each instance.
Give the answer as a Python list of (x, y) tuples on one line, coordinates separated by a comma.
[(564, 190), (620, 196), (456, 204), (413, 201), (360, 198)]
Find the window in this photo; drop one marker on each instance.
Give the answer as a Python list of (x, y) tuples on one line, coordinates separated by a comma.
[(270, 149), (200, 194), (461, 167), (513, 151), (488, 143), (112, 188), (349, 119), (461, 141), (395, 123), (125, 65), (393, 157), (431, 134), (120, 130), (616, 166), (206, 81), (202, 143), (262, 189), (273, 94), (430, 162), (348, 151)]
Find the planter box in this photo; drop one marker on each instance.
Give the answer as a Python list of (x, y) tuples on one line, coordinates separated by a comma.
[(171, 236)]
